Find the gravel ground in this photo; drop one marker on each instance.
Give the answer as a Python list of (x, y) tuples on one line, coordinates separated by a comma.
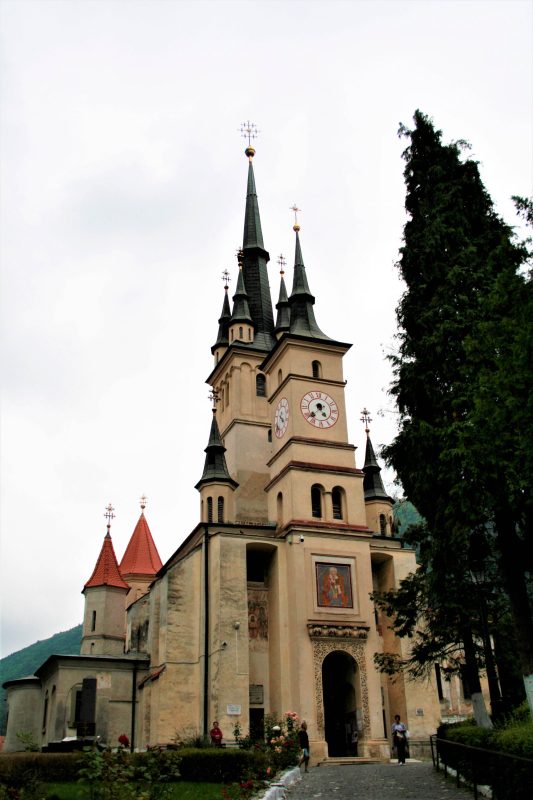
[(416, 780)]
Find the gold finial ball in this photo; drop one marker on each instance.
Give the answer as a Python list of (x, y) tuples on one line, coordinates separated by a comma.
[(250, 152), (296, 228)]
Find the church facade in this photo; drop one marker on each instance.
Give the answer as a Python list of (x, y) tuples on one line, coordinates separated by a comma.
[(265, 607)]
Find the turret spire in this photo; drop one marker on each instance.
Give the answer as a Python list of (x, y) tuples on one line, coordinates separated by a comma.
[(215, 467), (106, 571), (283, 319), (224, 319), (301, 301), (241, 309), (372, 483)]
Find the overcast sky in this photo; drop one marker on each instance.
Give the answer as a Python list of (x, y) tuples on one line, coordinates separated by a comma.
[(122, 200)]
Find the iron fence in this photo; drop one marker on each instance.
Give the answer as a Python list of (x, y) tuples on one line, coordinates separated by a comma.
[(508, 777)]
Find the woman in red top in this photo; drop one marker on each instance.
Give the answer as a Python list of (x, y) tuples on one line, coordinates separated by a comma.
[(216, 735)]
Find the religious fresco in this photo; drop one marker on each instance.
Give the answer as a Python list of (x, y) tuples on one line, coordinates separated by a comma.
[(258, 614), (334, 585)]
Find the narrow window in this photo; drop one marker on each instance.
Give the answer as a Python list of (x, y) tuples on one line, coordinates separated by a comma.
[(269, 434), (232, 334), (336, 498), (279, 505), (260, 385), (316, 501), (280, 377), (45, 711), (317, 369), (220, 509), (93, 622), (249, 334), (210, 509), (240, 332), (382, 524)]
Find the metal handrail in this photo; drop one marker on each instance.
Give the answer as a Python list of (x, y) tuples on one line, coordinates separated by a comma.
[(478, 766)]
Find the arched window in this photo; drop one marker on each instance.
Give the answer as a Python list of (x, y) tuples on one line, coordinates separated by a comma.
[(382, 524), (317, 369), (279, 507), (337, 501), (220, 509), (269, 434), (232, 334), (210, 509), (93, 621), (280, 377), (240, 332), (249, 334), (316, 501), (260, 385)]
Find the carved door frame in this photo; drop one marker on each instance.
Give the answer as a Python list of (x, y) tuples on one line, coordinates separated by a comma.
[(322, 647)]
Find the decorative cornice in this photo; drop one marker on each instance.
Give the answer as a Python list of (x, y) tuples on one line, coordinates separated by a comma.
[(318, 630)]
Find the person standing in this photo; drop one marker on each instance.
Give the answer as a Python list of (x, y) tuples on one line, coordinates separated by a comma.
[(399, 739), (216, 735), (303, 740)]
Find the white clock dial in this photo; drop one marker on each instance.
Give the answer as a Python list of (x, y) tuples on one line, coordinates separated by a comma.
[(319, 409), (281, 417)]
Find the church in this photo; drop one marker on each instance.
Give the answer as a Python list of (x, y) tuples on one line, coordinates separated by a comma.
[(265, 607)]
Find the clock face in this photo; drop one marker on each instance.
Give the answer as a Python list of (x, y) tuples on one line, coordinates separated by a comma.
[(281, 417), (319, 409)]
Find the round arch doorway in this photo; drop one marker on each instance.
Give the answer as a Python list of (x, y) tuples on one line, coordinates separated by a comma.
[(339, 687)]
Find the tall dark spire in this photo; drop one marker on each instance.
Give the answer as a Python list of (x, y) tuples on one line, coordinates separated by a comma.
[(256, 259), (301, 301), (215, 467), (372, 483)]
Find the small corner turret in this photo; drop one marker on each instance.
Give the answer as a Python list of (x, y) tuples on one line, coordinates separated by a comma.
[(377, 502), (216, 486), (105, 592)]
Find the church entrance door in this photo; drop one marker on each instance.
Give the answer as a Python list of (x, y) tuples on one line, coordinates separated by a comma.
[(339, 671)]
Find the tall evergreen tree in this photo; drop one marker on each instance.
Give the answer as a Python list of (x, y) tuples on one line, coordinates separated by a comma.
[(458, 256)]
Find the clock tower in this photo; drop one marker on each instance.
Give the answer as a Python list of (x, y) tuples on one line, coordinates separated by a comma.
[(313, 477)]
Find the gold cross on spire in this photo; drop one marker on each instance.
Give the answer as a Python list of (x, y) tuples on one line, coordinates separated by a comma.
[(249, 131), (295, 208), (281, 262), (109, 515), (226, 278), (143, 502), (366, 418)]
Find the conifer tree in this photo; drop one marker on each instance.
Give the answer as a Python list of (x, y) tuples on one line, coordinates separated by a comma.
[(461, 265)]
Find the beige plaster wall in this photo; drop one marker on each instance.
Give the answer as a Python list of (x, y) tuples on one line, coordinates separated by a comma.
[(24, 703)]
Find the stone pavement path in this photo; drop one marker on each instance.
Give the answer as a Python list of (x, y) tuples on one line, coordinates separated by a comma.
[(417, 780)]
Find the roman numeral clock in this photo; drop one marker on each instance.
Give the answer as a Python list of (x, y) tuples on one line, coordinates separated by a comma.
[(319, 409)]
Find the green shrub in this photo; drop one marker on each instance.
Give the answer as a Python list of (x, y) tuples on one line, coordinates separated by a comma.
[(15, 768)]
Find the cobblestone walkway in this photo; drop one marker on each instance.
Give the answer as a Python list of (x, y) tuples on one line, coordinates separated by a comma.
[(415, 781)]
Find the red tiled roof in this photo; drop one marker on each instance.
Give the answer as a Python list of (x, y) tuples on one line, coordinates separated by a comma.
[(106, 571), (141, 556)]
